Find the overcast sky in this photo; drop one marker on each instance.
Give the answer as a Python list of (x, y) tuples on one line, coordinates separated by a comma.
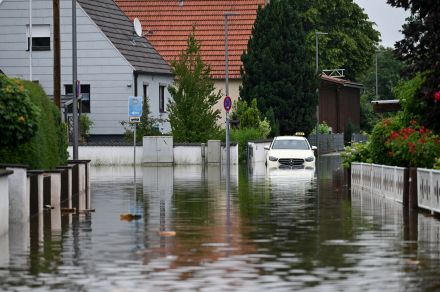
[(389, 20)]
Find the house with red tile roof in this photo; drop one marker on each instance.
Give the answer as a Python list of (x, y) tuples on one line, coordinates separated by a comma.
[(169, 22)]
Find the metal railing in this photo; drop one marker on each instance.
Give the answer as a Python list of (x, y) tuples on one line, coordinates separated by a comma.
[(428, 189), (381, 180)]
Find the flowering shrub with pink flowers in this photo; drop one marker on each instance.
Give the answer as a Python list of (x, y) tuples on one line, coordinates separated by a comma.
[(413, 146), (393, 142), (437, 97)]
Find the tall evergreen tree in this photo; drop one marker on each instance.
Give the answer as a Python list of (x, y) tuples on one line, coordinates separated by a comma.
[(420, 49), (191, 112), (277, 70)]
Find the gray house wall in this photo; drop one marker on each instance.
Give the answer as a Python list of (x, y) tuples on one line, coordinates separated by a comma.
[(100, 64)]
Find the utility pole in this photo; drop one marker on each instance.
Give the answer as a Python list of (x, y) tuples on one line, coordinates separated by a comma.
[(74, 83), (30, 40), (56, 53)]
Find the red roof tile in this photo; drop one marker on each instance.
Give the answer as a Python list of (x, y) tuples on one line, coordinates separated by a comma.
[(171, 24)]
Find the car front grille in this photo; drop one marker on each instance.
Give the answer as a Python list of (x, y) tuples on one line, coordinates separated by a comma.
[(291, 161)]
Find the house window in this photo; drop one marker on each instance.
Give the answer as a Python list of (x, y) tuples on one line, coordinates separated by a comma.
[(84, 105), (161, 98), (40, 37), (144, 93)]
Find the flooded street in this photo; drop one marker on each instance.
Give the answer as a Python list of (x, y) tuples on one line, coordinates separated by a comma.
[(275, 231)]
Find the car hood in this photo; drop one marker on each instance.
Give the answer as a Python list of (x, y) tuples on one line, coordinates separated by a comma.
[(287, 153)]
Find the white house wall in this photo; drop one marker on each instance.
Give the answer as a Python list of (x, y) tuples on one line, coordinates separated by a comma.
[(100, 64), (153, 82)]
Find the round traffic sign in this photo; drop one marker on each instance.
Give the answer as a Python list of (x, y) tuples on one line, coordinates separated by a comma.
[(227, 103)]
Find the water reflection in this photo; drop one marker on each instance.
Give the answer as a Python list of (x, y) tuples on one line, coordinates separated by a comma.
[(273, 232)]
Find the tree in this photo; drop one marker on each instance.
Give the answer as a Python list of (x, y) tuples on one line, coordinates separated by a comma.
[(147, 127), (277, 70), (388, 72), (420, 49), (351, 41), (191, 112)]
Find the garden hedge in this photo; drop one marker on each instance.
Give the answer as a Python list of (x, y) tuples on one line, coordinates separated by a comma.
[(45, 146)]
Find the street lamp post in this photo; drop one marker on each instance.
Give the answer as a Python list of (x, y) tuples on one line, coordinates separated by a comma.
[(228, 158), (317, 34), (377, 88)]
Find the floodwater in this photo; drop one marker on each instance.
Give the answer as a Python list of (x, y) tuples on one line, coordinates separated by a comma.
[(274, 231)]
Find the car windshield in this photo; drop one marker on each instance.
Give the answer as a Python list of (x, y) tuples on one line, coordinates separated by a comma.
[(290, 144)]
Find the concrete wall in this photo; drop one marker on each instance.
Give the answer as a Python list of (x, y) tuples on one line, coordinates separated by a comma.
[(256, 151), (109, 155), (158, 149), (100, 64), (233, 151), (4, 201), (123, 155), (18, 195), (188, 155)]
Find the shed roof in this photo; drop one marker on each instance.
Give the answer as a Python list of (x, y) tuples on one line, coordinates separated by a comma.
[(341, 81), (171, 23), (119, 30)]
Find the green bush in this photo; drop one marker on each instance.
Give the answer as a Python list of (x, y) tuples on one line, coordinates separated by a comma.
[(378, 138), (48, 147), (243, 136), (18, 116), (357, 152), (251, 126), (323, 129), (85, 123), (437, 163)]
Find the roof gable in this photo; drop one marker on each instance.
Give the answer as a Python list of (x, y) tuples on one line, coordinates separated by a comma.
[(171, 23), (119, 30)]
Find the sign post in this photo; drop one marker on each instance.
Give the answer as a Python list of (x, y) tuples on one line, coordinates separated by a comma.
[(227, 104), (134, 115)]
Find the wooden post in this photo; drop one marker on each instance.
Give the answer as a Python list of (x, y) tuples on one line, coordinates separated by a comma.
[(56, 54), (405, 199), (412, 200)]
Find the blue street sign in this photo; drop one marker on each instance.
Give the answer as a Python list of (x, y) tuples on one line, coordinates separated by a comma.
[(135, 106), (227, 103)]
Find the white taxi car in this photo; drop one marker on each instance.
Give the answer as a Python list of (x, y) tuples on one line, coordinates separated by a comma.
[(290, 152)]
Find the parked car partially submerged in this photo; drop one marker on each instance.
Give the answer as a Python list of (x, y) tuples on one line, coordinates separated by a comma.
[(290, 152)]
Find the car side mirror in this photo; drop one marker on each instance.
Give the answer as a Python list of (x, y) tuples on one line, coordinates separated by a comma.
[(266, 147), (314, 148)]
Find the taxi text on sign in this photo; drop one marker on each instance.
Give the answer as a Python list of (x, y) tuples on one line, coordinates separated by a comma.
[(135, 106)]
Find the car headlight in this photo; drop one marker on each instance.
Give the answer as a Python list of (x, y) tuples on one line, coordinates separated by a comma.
[(310, 159), (273, 158)]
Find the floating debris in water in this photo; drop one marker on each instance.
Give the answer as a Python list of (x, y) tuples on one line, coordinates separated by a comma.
[(130, 217), (85, 211), (167, 233), (412, 262)]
